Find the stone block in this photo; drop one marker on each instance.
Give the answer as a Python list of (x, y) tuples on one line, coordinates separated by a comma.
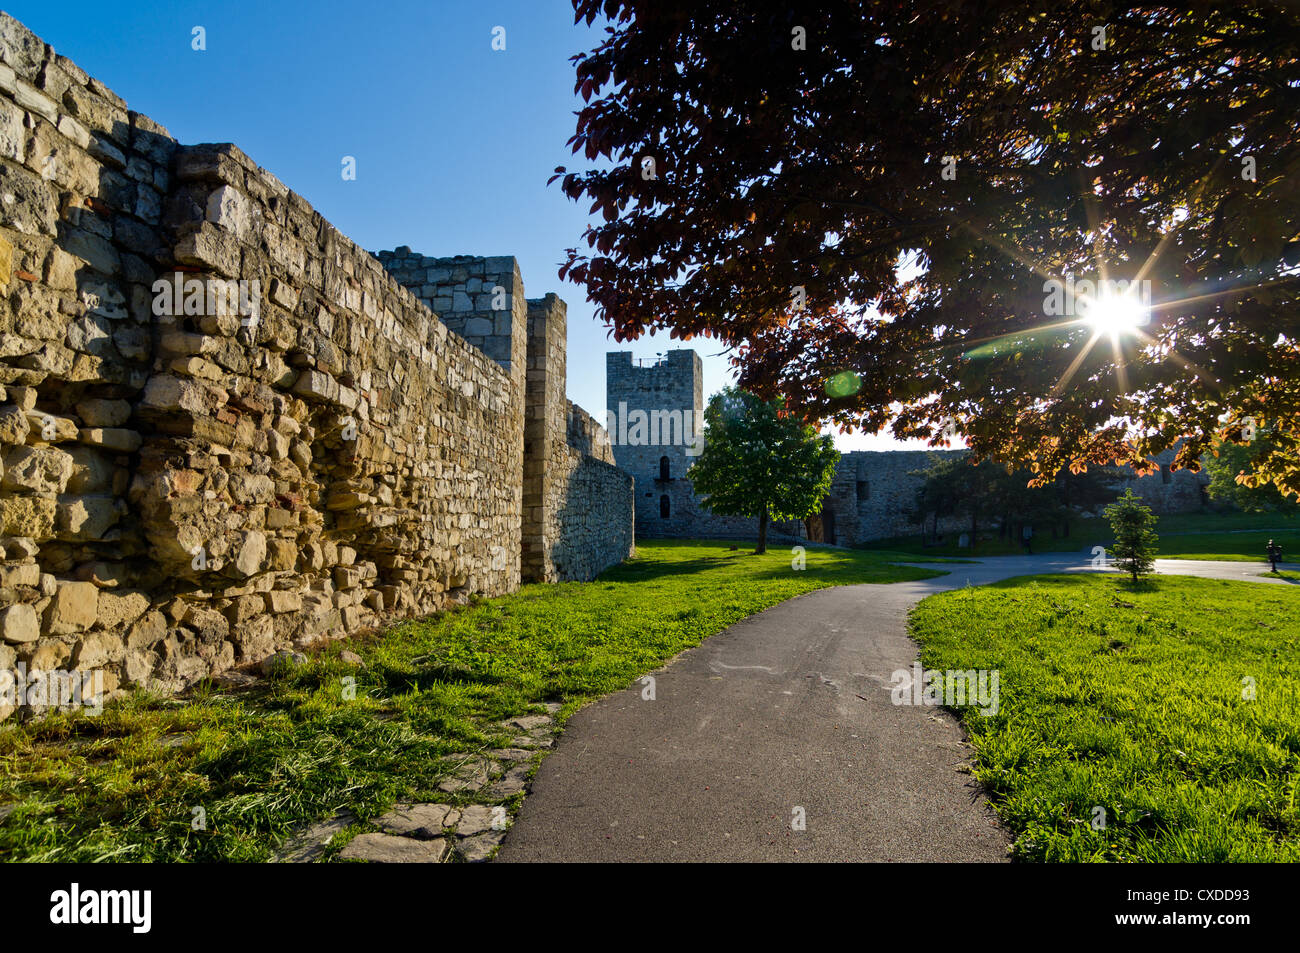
[(74, 608), (98, 649), (387, 849), (22, 574), (36, 470), (19, 624), (250, 554), (112, 439), (229, 209), (27, 516), (103, 413), (317, 385), (86, 517), (118, 610), (279, 600)]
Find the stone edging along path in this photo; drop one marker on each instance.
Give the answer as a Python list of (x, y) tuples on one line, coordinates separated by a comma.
[(435, 832)]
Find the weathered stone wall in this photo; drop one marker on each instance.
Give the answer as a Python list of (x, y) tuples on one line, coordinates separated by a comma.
[(578, 507), (561, 538), (545, 436), (871, 494), (595, 524), (480, 299), (224, 428), (83, 181), (592, 519), (587, 436), (873, 491), (1169, 490)]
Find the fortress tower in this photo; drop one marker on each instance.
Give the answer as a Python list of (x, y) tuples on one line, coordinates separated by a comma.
[(656, 410), (655, 419)]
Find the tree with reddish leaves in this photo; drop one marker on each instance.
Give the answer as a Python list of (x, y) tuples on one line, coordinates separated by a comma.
[(1070, 230)]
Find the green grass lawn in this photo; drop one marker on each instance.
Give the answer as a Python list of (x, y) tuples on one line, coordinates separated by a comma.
[(1238, 537), (1132, 700), (261, 763)]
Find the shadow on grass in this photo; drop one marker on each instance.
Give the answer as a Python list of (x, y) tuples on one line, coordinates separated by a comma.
[(639, 572), (1144, 584)]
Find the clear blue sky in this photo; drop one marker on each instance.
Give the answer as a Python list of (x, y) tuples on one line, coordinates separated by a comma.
[(453, 141)]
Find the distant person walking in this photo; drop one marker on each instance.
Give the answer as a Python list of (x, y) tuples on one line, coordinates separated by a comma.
[(1274, 554)]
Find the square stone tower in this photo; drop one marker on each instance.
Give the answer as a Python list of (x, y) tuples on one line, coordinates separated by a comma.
[(654, 412)]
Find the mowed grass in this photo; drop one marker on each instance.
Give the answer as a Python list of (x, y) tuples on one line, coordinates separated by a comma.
[(128, 784), (1132, 700), (1236, 537)]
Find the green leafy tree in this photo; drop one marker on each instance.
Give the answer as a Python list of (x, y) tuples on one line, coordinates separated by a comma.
[(962, 487), (1076, 492), (938, 496), (1235, 474), (1135, 540), (760, 461)]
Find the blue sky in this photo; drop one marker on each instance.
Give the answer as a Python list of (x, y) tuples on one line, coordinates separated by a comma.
[(453, 141)]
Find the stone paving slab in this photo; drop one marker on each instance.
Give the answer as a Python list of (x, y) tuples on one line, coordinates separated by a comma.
[(514, 781), (476, 819), (308, 846), (475, 850), (390, 849), (421, 821)]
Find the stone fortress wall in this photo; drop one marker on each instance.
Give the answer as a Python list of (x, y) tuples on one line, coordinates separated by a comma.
[(871, 492), (190, 481), (576, 506)]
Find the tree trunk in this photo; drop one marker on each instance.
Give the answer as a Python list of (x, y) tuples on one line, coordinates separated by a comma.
[(762, 532)]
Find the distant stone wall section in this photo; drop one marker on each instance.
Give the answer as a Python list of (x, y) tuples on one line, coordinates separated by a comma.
[(480, 299), (872, 493), (1169, 490), (187, 487), (586, 435), (578, 507), (594, 523), (561, 538)]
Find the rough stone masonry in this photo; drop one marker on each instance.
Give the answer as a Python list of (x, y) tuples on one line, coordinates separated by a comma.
[(226, 430), (871, 496)]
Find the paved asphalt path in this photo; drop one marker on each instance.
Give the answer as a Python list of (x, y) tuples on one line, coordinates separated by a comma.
[(787, 709)]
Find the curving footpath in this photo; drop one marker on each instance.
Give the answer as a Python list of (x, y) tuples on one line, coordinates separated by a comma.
[(784, 715)]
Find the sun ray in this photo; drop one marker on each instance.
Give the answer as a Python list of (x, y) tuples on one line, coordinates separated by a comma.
[(1074, 365)]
